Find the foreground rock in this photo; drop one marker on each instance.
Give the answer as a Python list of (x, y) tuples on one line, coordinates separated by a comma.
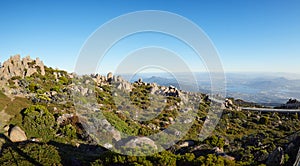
[(16, 134), (276, 158)]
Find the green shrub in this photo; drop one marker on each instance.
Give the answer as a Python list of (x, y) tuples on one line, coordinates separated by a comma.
[(264, 120), (33, 87), (69, 131), (215, 141), (63, 80), (55, 88), (38, 122)]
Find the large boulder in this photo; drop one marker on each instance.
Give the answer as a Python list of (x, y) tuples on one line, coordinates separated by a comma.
[(16, 134), (116, 135), (140, 142)]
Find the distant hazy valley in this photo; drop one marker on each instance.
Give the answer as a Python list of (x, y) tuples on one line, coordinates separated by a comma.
[(269, 89)]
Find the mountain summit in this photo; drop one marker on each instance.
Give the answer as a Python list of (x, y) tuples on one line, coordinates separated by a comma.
[(17, 67)]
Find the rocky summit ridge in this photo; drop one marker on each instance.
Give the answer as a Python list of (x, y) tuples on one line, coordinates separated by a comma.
[(17, 67)]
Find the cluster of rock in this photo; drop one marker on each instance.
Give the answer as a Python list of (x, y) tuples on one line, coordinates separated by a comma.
[(17, 67), (190, 146), (160, 90), (171, 91), (291, 104), (118, 81), (228, 104), (121, 84)]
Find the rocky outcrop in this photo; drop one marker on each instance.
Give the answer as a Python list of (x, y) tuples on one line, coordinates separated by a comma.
[(16, 134), (117, 81), (99, 79), (291, 104), (17, 67), (172, 91), (228, 104)]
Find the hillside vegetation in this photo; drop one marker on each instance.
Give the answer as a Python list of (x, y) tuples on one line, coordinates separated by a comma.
[(53, 109)]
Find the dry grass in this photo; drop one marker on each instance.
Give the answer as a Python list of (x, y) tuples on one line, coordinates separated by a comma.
[(11, 108)]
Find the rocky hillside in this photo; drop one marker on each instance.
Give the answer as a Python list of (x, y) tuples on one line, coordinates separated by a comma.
[(48, 118)]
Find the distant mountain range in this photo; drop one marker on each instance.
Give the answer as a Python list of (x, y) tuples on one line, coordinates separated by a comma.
[(269, 89)]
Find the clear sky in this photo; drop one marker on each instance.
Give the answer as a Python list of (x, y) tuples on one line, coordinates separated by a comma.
[(250, 35)]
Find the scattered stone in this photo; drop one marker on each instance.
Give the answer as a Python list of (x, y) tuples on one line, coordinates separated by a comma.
[(187, 144), (218, 150), (108, 146)]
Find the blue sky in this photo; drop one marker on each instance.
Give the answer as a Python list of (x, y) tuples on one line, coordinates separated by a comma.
[(250, 35)]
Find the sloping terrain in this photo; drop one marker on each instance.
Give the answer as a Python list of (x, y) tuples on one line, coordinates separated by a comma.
[(57, 111)]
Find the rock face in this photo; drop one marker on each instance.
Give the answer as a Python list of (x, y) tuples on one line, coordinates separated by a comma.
[(276, 158), (17, 67), (17, 134)]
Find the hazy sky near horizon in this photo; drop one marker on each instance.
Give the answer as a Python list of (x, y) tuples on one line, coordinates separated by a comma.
[(250, 35)]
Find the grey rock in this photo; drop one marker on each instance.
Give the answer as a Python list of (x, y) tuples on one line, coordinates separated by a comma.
[(140, 142)]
